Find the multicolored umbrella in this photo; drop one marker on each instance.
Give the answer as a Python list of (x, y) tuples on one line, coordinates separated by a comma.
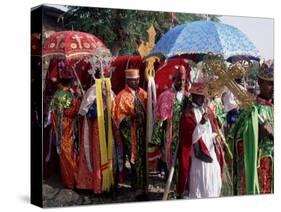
[(202, 37)]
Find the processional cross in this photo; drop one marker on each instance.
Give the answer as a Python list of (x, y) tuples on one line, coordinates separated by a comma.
[(145, 48), (214, 66)]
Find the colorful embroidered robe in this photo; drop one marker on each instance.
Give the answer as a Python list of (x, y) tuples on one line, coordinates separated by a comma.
[(64, 107), (132, 130), (89, 167), (166, 130), (253, 156)]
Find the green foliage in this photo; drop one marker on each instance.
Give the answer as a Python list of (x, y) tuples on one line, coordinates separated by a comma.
[(122, 30), (254, 70)]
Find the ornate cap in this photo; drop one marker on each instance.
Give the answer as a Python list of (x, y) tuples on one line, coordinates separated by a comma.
[(267, 71), (198, 88), (132, 73)]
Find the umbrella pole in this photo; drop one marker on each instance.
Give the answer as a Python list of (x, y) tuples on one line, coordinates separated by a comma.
[(77, 78), (171, 174)]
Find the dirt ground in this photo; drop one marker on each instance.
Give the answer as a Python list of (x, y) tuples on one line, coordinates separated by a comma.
[(54, 195)]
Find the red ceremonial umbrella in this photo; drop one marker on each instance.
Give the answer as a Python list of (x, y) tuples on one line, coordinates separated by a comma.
[(74, 46), (164, 74)]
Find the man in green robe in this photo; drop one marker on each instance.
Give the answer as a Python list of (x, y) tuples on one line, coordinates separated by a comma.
[(253, 136)]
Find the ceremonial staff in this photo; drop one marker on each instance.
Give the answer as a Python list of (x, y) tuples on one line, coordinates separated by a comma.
[(143, 50)]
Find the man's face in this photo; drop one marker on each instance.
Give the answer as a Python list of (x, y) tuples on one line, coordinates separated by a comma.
[(133, 83), (179, 83), (266, 88), (198, 99)]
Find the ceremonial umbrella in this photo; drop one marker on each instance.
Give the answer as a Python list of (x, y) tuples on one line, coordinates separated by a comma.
[(164, 74), (71, 44), (74, 46), (202, 37), (196, 39)]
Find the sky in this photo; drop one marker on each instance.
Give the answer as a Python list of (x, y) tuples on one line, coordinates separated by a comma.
[(259, 30)]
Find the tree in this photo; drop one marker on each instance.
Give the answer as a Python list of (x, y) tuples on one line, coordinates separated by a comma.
[(122, 30), (254, 70)]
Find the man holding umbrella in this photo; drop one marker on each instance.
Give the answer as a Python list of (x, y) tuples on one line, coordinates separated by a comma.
[(168, 112)]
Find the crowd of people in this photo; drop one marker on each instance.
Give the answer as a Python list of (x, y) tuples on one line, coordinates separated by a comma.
[(210, 142)]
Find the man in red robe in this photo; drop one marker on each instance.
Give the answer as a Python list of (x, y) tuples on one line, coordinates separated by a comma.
[(201, 155)]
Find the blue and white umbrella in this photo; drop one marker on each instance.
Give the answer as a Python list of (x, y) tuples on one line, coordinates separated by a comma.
[(202, 37)]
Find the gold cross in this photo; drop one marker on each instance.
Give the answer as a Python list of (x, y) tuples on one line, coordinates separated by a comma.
[(214, 66), (78, 39), (145, 48)]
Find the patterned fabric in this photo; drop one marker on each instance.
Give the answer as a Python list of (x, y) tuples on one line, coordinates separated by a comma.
[(264, 152), (165, 105), (72, 43), (168, 108), (60, 101), (178, 108), (141, 180), (201, 37), (123, 104)]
